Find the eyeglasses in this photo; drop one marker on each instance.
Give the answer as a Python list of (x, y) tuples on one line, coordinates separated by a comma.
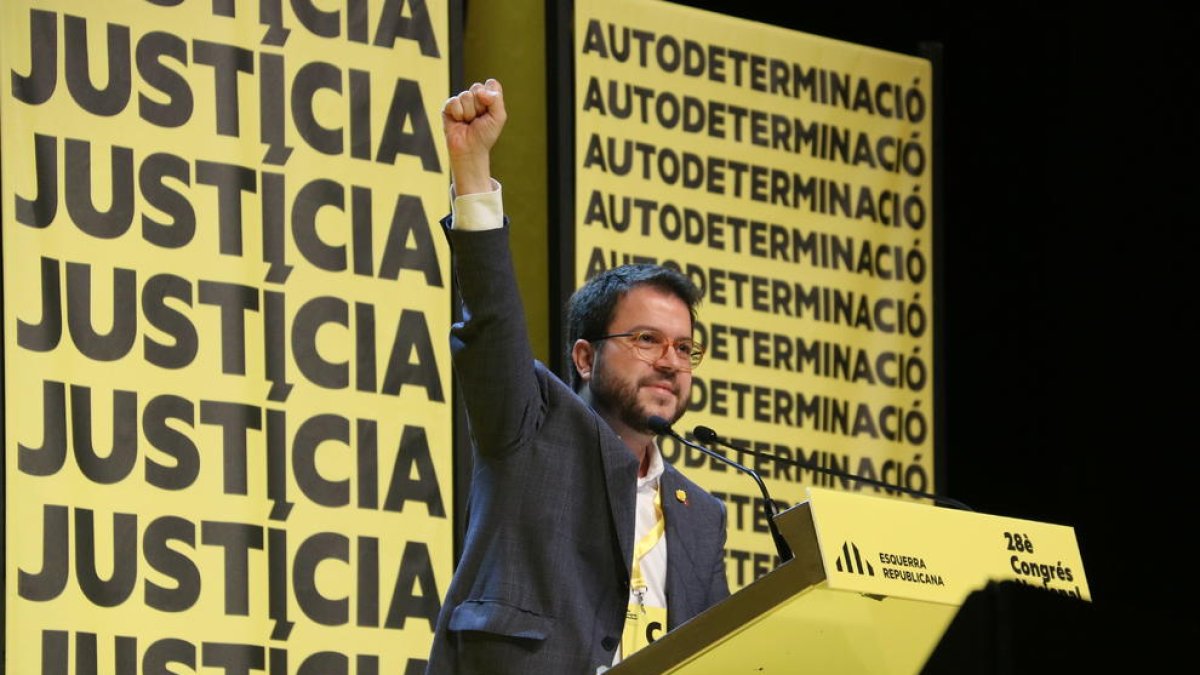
[(651, 345)]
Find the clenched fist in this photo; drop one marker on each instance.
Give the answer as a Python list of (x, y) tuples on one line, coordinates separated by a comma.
[(472, 122)]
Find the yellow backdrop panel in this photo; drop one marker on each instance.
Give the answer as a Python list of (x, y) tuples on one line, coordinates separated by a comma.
[(227, 381), (789, 176)]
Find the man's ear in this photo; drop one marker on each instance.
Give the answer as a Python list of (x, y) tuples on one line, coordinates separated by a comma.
[(583, 355)]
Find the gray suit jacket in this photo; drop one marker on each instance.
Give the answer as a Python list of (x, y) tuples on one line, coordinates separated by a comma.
[(543, 583)]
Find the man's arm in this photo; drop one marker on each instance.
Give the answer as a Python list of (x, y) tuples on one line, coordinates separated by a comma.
[(492, 356)]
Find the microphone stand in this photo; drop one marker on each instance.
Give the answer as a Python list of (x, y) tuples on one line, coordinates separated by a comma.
[(662, 427)]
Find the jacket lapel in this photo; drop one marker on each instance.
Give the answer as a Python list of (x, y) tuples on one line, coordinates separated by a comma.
[(620, 479), (680, 560)]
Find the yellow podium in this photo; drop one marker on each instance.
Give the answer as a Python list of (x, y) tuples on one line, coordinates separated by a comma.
[(872, 588)]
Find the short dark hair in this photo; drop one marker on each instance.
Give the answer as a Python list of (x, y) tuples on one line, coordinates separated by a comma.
[(590, 309)]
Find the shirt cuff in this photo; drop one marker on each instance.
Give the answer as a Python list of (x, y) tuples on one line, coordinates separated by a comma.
[(479, 211)]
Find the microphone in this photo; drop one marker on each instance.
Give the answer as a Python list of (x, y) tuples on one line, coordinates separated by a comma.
[(663, 428), (707, 435)]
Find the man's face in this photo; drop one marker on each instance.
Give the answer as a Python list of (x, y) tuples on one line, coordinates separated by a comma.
[(627, 385)]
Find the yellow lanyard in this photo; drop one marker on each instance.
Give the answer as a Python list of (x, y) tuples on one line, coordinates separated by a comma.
[(637, 581), (643, 623)]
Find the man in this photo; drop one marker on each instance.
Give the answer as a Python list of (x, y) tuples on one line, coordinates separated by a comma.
[(581, 545)]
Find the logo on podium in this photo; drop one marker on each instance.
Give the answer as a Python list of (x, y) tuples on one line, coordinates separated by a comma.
[(852, 562)]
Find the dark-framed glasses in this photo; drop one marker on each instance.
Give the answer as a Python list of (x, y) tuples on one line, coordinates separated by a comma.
[(651, 345)]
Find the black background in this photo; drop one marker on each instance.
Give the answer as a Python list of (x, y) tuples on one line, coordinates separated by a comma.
[(1068, 238)]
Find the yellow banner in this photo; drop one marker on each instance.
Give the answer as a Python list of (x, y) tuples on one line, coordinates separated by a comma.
[(227, 382), (789, 176)]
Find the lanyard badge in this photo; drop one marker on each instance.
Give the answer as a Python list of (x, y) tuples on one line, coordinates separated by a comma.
[(643, 623)]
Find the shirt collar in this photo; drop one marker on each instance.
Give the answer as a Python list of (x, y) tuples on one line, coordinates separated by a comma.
[(656, 467)]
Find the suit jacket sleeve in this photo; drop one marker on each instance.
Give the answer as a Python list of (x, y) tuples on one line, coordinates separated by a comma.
[(491, 345)]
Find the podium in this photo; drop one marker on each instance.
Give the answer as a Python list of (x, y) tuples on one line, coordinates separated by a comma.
[(872, 588)]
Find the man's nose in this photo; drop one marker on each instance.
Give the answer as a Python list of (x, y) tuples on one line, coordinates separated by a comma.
[(671, 360)]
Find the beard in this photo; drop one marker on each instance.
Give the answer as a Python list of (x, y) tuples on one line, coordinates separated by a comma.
[(619, 398)]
